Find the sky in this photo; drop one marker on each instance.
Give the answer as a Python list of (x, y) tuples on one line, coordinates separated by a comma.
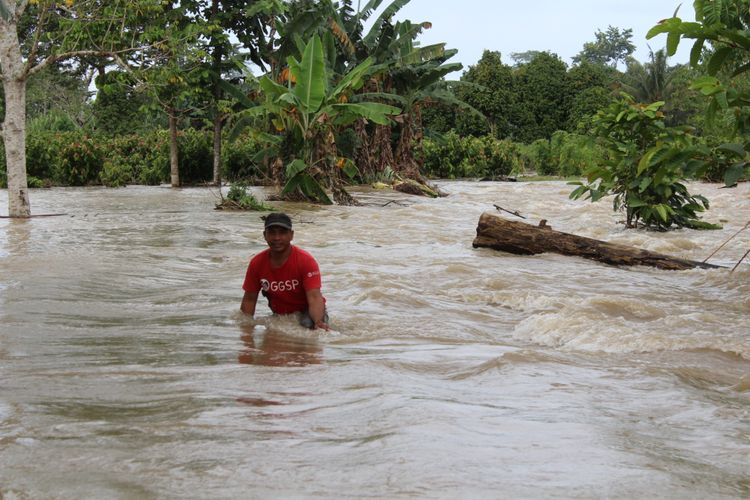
[(558, 26)]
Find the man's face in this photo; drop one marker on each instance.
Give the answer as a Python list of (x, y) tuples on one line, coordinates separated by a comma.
[(278, 238)]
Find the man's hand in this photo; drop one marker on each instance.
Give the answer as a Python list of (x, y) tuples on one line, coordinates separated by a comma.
[(316, 308), (248, 303)]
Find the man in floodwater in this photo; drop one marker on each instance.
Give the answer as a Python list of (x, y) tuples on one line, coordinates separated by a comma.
[(288, 276)]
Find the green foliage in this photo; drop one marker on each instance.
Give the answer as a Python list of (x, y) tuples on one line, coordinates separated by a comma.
[(563, 155), (650, 82), (544, 95), (54, 121), (300, 178), (573, 154), (120, 109), (239, 158), (585, 105), (645, 167), (196, 155), (720, 33), (79, 159), (489, 88), (42, 152), (539, 158), (454, 157), (239, 195), (58, 93), (310, 111), (116, 173), (144, 156), (610, 47)]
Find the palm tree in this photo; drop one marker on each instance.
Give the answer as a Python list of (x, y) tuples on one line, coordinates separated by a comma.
[(650, 82)]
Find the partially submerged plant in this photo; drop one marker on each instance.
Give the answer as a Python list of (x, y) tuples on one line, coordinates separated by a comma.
[(238, 198), (645, 167)]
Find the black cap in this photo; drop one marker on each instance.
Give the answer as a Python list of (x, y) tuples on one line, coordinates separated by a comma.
[(278, 219)]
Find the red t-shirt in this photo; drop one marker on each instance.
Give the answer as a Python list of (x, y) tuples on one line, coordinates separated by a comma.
[(285, 286)]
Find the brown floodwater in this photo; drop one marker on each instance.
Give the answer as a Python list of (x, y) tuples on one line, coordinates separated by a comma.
[(450, 372)]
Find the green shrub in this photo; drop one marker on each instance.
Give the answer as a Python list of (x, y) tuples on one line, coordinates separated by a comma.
[(453, 157), (195, 155), (542, 162), (116, 173), (146, 156), (34, 182), (645, 165), (42, 152), (244, 200), (79, 159), (238, 158), (573, 154)]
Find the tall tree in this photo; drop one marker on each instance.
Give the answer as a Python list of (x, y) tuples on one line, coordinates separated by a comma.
[(171, 72), (544, 95), (521, 58), (248, 21), (492, 92), (610, 47), (55, 32)]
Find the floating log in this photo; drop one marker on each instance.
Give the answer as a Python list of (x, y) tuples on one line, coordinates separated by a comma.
[(525, 239)]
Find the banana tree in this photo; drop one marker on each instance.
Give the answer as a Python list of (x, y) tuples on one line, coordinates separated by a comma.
[(308, 110)]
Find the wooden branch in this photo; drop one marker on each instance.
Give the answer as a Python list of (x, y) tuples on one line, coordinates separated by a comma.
[(524, 239), (31, 216), (515, 212)]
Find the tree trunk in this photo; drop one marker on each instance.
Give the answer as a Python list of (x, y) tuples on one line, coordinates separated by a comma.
[(14, 123), (381, 148), (217, 149), (524, 239), (410, 138), (362, 155), (174, 165), (216, 57)]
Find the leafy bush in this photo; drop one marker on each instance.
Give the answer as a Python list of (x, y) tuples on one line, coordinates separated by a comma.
[(79, 159), (573, 154), (42, 152), (238, 158), (645, 165), (195, 155), (454, 157), (540, 158), (238, 194), (564, 154), (116, 173), (145, 156)]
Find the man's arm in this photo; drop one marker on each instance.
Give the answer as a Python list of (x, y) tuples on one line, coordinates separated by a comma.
[(248, 303), (316, 307)]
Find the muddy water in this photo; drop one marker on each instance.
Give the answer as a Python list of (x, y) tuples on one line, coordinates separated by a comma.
[(126, 372)]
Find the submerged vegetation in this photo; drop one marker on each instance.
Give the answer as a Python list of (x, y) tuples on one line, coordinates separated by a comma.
[(239, 199), (645, 167), (347, 95)]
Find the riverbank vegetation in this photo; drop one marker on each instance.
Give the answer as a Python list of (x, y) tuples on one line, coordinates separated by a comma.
[(313, 96)]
